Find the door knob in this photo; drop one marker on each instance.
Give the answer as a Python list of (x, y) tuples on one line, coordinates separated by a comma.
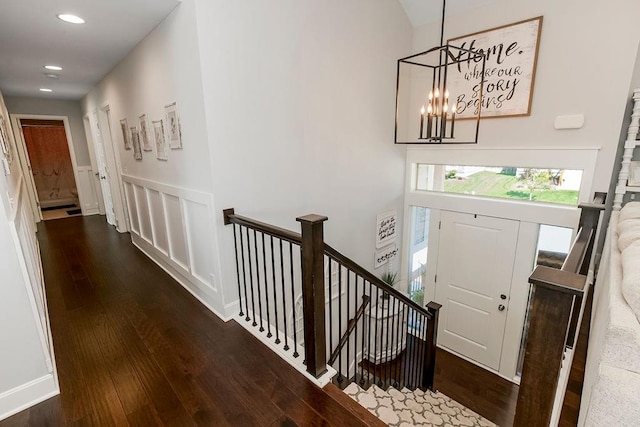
[(501, 307), (503, 296)]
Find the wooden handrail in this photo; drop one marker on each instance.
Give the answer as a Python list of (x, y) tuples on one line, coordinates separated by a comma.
[(557, 299), (376, 281), (351, 325), (282, 233)]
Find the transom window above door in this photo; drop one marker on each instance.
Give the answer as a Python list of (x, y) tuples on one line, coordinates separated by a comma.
[(546, 185)]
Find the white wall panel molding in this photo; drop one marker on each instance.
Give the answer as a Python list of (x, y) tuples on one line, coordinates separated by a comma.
[(27, 395), (175, 227)]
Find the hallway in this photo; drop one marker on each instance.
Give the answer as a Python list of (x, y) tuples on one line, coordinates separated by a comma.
[(134, 348)]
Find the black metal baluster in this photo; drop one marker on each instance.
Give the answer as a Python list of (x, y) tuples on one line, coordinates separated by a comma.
[(235, 246), (348, 310), (415, 350), (364, 316), (253, 299), (266, 288), (423, 347), (284, 299), (255, 244), (293, 303), (330, 309), (376, 339), (275, 293), (244, 276), (340, 376), (369, 328), (398, 332), (355, 330), (387, 356), (409, 362), (405, 332), (392, 353)]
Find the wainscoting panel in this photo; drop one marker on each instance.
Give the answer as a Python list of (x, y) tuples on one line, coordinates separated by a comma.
[(174, 227), (133, 212), (197, 220), (158, 223), (142, 206), (86, 192)]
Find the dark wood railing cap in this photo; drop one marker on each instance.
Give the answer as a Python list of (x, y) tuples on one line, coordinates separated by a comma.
[(559, 280), (433, 306), (312, 218)]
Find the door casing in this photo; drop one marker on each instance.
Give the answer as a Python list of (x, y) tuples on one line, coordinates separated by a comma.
[(25, 163)]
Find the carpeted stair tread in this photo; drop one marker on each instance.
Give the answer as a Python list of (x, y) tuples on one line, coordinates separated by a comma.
[(404, 408)]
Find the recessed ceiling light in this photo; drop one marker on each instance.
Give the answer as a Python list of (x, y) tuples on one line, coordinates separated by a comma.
[(44, 89), (71, 18), (53, 67), (52, 76)]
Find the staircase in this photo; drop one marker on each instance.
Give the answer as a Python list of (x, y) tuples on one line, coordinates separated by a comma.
[(414, 408)]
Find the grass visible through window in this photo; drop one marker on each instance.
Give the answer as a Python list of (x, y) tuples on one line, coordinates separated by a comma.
[(540, 185)]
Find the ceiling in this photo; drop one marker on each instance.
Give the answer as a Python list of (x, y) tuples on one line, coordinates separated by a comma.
[(31, 36), (421, 12)]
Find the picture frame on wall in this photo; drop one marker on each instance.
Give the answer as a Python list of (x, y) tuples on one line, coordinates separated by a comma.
[(145, 134), (174, 131), (5, 146), (161, 143), (135, 142), (511, 53), (126, 139)]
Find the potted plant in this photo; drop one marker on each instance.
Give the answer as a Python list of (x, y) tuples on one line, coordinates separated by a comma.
[(390, 278)]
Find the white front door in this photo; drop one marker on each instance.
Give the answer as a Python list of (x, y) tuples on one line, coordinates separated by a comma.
[(103, 173), (474, 273)]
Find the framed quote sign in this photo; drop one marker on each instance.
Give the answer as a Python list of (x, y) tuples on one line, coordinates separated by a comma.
[(511, 53)]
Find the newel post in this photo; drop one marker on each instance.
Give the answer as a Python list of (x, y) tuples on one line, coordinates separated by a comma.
[(312, 252), (553, 297), (429, 362)]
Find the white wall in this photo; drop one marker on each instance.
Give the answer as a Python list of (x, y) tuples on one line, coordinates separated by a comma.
[(586, 58), (170, 203), (300, 99), (55, 107), (24, 374)]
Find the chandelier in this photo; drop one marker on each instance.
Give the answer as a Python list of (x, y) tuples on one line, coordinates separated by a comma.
[(429, 99)]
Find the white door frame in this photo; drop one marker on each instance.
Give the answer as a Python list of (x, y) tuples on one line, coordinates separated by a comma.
[(95, 178), (530, 215), (25, 163), (120, 203)]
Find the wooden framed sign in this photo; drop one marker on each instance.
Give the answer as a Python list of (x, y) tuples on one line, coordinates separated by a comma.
[(511, 53)]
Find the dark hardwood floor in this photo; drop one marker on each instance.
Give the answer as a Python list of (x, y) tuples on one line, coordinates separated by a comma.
[(134, 348)]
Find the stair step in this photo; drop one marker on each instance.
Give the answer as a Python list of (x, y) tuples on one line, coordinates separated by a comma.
[(414, 407)]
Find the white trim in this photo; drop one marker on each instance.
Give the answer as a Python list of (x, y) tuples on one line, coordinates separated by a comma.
[(287, 355), (95, 180), (149, 250), (27, 395), (529, 214), (21, 144), (120, 208)]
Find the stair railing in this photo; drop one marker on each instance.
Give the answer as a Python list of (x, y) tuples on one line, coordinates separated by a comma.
[(299, 292), (557, 303)]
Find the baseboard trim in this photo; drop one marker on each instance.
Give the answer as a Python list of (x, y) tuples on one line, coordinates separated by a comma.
[(27, 395), (192, 288)]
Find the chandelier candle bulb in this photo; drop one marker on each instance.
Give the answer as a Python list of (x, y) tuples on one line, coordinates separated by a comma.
[(444, 122), (453, 119), (421, 122)]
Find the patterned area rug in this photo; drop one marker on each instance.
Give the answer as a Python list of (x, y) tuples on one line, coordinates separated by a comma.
[(415, 408)]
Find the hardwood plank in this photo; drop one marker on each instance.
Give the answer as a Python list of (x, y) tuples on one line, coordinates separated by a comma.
[(135, 348)]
